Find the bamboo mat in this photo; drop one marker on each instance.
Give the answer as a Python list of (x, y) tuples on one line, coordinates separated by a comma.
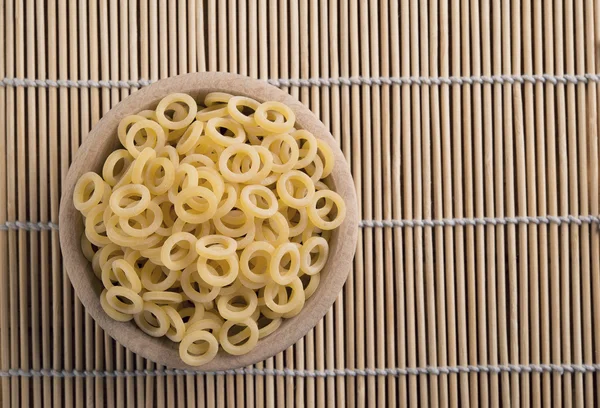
[(471, 128)]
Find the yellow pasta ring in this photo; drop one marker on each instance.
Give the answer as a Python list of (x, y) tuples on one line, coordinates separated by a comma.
[(213, 111), (275, 267), (305, 255), (169, 152), (304, 180), (159, 186), (176, 329), (214, 279), (149, 228), (165, 252), (159, 316), (233, 108), (252, 208), (199, 160), (245, 227), (278, 165), (124, 125), (112, 298), (140, 163), (191, 273), (126, 191), (266, 165), (212, 126), (232, 150), (317, 219), (217, 97), (328, 158), (261, 118), (236, 313), (155, 137), (203, 358), (128, 278), (297, 297), (86, 248), (191, 216), (162, 297), (111, 162), (79, 201), (227, 205), (257, 248), (295, 230), (148, 281), (309, 152), (176, 98), (111, 311), (313, 284), (190, 138), (216, 246), (234, 349)]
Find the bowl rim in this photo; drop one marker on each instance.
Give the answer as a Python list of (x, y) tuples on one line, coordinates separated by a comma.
[(102, 140)]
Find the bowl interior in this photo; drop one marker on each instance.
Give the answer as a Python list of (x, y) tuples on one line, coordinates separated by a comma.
[(102, 140)]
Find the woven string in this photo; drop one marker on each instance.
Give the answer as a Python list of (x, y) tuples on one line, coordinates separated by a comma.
[(328, 82), (346, 372), (449, 222)]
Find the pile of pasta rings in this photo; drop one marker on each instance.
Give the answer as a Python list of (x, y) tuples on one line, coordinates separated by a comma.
[(212, 223)]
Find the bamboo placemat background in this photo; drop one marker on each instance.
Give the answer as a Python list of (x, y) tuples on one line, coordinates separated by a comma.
[(499, 303)]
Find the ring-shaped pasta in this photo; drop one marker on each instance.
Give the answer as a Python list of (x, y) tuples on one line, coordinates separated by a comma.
[(244, 240), (300, 226), (262, 120), (266, 164), (256, 249), (317, 219), (295, 299), (151, 274), (253, 208), (165, 253), (208, 148), (162, 297), (126, 123), (233, 108), (155, 137), (237, 313), (159, 186), (111, 311), (313, 284), (213, 178), (186, 176), (327, 156), (212, 126), (169, 152), (315, 169), (213, 111), (213, 278), (112, 298), (126, 275), (109, 253), (191, 273), (306, 264), (176, 98), (216, 246), (190, 138), (244, 228), (95, 217), (235, 349), (227, 205), (199, 160), (140, 163), (127, 191), (232, 150), (279, 224), (191, 315), (80, 201), (306, 154), (304, 181), (149, 228), (117, 235), (194, 217), (179, 113), (275, 269), (204, 356), (217, 97), (279, 166), (110, 164), (160, 319), (176, 329)]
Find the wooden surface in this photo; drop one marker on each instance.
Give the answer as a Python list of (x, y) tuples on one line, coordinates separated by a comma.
[(103, 140), (490, 293)]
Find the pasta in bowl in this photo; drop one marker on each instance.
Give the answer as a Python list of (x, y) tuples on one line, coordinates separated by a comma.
[(208, 221)]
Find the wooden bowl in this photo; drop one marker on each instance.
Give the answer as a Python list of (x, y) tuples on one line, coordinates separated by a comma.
[(103, 140)]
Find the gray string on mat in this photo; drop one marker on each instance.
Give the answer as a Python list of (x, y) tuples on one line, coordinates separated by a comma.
[(447, 222), (345, 372), (326, 82)]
